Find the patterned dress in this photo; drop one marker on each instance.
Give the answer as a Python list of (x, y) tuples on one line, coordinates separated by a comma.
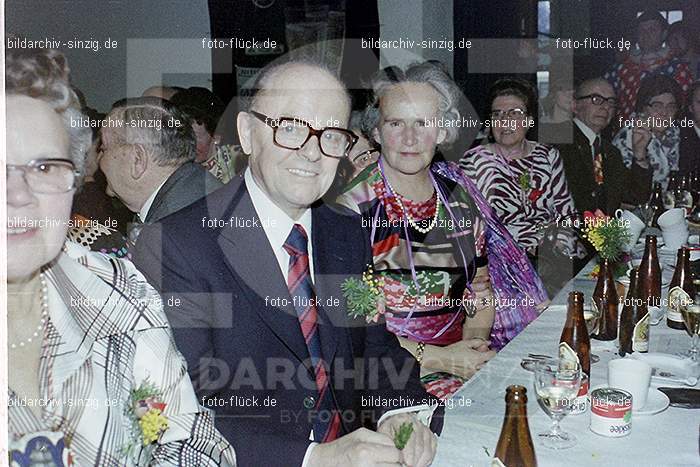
[(523, 211), (107, 335), (432, 311), (663, 153), (625, 77)]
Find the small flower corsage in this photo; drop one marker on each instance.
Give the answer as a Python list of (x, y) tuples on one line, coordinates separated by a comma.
[(145, 410), (365, 297)]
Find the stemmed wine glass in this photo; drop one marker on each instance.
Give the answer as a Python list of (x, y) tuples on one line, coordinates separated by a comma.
[(557, 383), (691, 318), (591, 316)]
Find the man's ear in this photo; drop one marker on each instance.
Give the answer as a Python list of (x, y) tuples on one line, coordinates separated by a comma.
[(139, 161), (244, 124)]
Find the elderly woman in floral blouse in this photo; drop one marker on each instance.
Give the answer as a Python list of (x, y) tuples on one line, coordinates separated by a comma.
[(94, 376)]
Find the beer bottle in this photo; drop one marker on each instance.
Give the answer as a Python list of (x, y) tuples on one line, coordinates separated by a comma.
[(695, 187), (606, 300), (656, 202), (680, 288), (515, 446), (634, 320), (650, 274), (574, 344), (684, 196)]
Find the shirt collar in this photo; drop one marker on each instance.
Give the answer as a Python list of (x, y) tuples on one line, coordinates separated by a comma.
[(275, 222), (588, 133), (149, 201)]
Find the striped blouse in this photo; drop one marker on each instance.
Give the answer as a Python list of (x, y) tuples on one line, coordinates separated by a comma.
[(107, 335), (523, 211)]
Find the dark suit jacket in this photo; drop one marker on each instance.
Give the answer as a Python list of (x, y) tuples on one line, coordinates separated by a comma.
[(620, 183), (689, 152), (186, 185), (237, 328)]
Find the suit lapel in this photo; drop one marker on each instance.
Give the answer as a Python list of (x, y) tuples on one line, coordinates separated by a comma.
[(250, 257)]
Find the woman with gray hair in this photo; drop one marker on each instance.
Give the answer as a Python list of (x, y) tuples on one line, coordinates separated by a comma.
[(94, 375), (437, 248)]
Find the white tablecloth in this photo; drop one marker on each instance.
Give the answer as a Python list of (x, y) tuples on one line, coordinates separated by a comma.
[(475, 414)]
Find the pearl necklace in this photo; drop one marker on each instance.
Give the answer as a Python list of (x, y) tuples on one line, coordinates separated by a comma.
[(44, 315), (411, 222)]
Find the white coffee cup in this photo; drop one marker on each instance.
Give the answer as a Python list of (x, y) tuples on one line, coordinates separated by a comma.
[(633, 376), (635, 226), (671, 218), (675, 237)]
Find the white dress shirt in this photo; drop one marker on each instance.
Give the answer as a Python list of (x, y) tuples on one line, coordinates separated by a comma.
[(277, 224), (149, 201), (587, 132)]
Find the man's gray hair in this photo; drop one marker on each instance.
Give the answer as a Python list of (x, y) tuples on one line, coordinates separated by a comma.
[(266, 75), (427, 73), (157, 124)]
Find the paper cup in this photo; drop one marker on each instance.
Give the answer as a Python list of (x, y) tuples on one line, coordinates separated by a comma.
[(633, 376)]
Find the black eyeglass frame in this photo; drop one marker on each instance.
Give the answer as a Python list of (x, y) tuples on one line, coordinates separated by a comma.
[(274, 123), (34, 163), (611, 101)]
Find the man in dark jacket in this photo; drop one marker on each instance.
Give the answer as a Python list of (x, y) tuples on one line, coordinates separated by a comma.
[(595, 173)]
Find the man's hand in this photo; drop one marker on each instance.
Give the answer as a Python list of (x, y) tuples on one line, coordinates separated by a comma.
[(361, 447), (463, 358), (421, 446)]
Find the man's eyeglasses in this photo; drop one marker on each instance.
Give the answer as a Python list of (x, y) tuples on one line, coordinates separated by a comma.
[(597, 99), (660, 106), (47, 176), (293, 133), (510, 114)]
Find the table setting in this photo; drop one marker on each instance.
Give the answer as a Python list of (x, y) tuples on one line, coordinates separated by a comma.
[(641, 409)]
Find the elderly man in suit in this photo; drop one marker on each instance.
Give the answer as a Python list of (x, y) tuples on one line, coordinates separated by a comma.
[(262, 321), (147, 153), (595, 173)]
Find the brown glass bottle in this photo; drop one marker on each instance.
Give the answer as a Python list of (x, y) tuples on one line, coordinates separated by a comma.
[(682, 280), (515, 446), (650, 274), (634, 320), (657, 203), (606, 300), (575, 333)]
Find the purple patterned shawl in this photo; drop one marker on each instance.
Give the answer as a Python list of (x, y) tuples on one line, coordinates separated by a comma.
[(516, 286)]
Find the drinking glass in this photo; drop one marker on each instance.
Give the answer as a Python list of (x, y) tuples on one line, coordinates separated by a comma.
[(691, 318), (557, 383)]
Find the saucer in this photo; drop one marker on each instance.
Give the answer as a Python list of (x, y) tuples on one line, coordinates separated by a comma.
[(657, 402)]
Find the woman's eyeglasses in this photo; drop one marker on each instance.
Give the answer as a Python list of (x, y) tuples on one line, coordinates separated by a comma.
[(660, 106), (47, 176), (293, 133), (510, 114), (365, 156)]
